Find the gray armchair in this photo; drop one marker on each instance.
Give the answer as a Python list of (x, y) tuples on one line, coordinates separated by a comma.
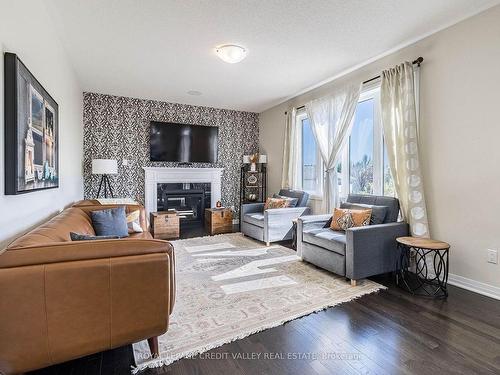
[(358, 252), (273, 224)]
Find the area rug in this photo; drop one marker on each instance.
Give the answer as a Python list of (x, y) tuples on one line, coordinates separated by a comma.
[(230, 286)]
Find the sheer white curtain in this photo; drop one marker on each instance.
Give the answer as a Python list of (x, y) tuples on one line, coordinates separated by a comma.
[(291, 149), (331, 121), (399, 120)]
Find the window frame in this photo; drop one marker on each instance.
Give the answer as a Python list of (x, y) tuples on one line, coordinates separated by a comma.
[(300, 116)]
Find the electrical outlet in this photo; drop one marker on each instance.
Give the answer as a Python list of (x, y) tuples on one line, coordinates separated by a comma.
[(492, 256)]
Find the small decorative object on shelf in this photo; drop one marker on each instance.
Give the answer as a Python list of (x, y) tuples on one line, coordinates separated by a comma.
[(164, 224), (252, 197), (218, 220), (430, 278), (253, 160), (218, 204)]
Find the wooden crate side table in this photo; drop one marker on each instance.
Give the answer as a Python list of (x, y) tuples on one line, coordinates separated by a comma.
[(164, 224), (218, 220)]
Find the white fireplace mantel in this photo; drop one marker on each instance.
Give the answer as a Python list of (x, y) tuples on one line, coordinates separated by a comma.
[(159, 175)]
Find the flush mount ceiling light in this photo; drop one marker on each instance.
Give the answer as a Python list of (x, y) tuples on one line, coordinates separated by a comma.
[(231, 53), (194, 93)]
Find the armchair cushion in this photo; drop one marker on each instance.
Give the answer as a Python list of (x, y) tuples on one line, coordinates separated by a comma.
[(390, 202), (255, 219), (301, 196), (291, 202), (275, 203), (378, 212), (327, 239)]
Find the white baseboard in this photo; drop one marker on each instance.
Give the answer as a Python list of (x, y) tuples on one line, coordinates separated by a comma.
[(474, 286)]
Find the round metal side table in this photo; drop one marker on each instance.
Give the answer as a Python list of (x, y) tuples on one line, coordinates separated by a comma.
[(428, 280)]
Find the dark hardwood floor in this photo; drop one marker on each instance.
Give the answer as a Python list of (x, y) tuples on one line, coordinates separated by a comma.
[(390, 332)]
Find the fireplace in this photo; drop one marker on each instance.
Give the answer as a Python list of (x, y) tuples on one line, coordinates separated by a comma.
[(181, 185), (189, 199)]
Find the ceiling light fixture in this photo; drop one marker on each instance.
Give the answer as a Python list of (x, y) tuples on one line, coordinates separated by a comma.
[(194, 93), (231, 53)]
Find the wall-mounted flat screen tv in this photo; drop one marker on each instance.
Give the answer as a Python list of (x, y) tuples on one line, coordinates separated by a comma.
[(183, 143)]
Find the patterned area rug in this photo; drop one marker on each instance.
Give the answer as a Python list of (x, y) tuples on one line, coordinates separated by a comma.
[(230, 286)]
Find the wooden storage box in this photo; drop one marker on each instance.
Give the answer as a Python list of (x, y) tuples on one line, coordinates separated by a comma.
[(218, 221), (164, 224)]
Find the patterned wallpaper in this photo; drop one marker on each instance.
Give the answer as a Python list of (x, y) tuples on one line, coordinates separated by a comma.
[(117, 127)]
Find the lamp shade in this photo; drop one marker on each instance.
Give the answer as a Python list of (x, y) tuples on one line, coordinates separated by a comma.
[(263, 159), (104, 166), (246, 159)]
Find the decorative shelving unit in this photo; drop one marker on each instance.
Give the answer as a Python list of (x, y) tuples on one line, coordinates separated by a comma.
[(253, 185)]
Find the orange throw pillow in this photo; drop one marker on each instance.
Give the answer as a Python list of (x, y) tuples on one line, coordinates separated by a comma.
[(275, 203), (344, 218)]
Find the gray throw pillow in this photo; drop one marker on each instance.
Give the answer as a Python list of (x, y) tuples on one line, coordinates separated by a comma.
[(110, 222), (88, 237), (378, 212), (290, 202)]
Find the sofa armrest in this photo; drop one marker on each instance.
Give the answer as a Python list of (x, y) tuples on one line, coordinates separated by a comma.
[(315, 218), (251, 208), (372, 249), (278, 216), (309, 221), (81, 307), (82, 250)]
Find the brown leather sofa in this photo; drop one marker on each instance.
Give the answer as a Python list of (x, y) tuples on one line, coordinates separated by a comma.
[(60, 300)]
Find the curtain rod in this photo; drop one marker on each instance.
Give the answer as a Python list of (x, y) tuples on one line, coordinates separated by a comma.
[(417, 62)]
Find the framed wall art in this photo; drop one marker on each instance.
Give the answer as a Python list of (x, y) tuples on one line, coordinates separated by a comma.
[(31, 131)]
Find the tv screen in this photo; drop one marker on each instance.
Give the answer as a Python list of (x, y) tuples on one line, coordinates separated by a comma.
[(183, 143)]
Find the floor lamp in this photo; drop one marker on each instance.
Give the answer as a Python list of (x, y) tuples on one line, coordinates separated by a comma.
[(104, 167)]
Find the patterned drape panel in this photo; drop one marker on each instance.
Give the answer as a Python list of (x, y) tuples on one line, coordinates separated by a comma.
[(399, 120), (289, 175)]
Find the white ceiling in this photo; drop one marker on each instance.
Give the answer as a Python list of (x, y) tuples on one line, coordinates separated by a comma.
[(160, 49)]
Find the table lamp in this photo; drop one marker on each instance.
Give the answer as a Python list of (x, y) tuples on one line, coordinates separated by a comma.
[(104, 167)]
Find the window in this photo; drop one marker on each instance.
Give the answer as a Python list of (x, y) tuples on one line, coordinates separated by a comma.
[(365, 155), (361, 149), (363, 167), (311, 170)]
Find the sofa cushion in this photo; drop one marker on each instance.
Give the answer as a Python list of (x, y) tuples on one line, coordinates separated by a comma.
[(344, 218), (301, 196), (140, 236), (254, 218), (275, 203), (110, 222), (390, 202), (327, 239), (290, 202), (378, 212), (88, 237), (134, 222)]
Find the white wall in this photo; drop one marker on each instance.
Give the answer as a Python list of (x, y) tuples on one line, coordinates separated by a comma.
[(460, 140), (26, 29)]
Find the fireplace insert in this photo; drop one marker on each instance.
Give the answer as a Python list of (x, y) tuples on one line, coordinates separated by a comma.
[(189, 199)]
